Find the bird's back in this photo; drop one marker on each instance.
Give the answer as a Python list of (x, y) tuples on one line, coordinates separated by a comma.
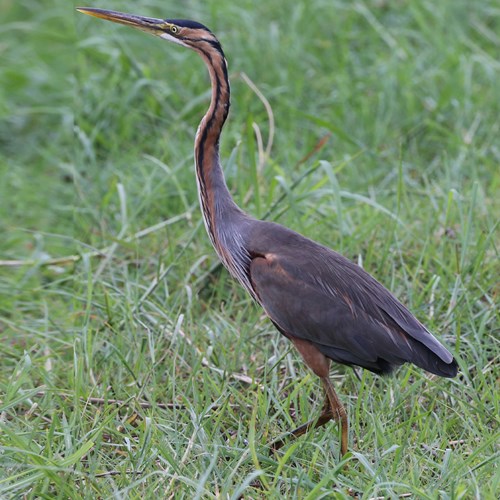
[(313, 293)]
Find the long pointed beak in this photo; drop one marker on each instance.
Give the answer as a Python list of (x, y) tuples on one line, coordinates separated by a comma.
[(147, 24)]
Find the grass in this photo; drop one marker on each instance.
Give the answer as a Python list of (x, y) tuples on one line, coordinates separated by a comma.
[(131, 365)]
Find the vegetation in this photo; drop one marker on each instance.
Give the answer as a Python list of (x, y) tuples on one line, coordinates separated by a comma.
[(131, 365)]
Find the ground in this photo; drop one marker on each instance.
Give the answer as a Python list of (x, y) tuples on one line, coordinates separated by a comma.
[(131, 364)]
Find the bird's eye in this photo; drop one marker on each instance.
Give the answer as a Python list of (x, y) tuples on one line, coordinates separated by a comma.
[(174, 30)]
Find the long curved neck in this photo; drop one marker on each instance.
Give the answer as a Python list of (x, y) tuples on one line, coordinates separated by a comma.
[(215, 197), (224, 220)]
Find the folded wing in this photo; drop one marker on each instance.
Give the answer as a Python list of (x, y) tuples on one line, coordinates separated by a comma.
[(343, 311)]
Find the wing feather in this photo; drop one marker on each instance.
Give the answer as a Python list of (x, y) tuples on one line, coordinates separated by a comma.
[(345, 312)]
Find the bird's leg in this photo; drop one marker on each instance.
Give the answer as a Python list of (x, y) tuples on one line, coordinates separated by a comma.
[(337, 411), (332, 409), (325, 416)]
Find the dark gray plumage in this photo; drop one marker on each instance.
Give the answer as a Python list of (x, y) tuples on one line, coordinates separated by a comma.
[(316, 294), (327, 306)]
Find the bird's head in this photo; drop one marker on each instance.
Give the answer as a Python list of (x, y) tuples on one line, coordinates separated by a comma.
[(183, 32)]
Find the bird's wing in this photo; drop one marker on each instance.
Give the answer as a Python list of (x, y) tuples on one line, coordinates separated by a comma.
[(322, 297)]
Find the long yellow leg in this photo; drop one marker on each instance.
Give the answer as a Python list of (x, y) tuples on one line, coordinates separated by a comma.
[(332, 409), (337, 412)]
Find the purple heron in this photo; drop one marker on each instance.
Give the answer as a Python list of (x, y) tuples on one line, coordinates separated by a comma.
[(328, 307)]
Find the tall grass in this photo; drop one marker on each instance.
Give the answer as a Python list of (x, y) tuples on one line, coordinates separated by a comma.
[(131, 365)]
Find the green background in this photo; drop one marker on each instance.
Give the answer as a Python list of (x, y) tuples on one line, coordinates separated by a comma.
[(385, 146)]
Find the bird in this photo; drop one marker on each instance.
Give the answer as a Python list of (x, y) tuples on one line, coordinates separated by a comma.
[(331, 309)]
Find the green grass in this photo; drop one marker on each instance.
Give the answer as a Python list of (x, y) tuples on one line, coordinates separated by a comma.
[(109, 288)]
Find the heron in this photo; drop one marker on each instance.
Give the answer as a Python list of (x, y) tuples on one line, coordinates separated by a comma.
[(327, 306)]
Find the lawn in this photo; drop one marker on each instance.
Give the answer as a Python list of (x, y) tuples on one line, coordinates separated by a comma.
[(132, 365)]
